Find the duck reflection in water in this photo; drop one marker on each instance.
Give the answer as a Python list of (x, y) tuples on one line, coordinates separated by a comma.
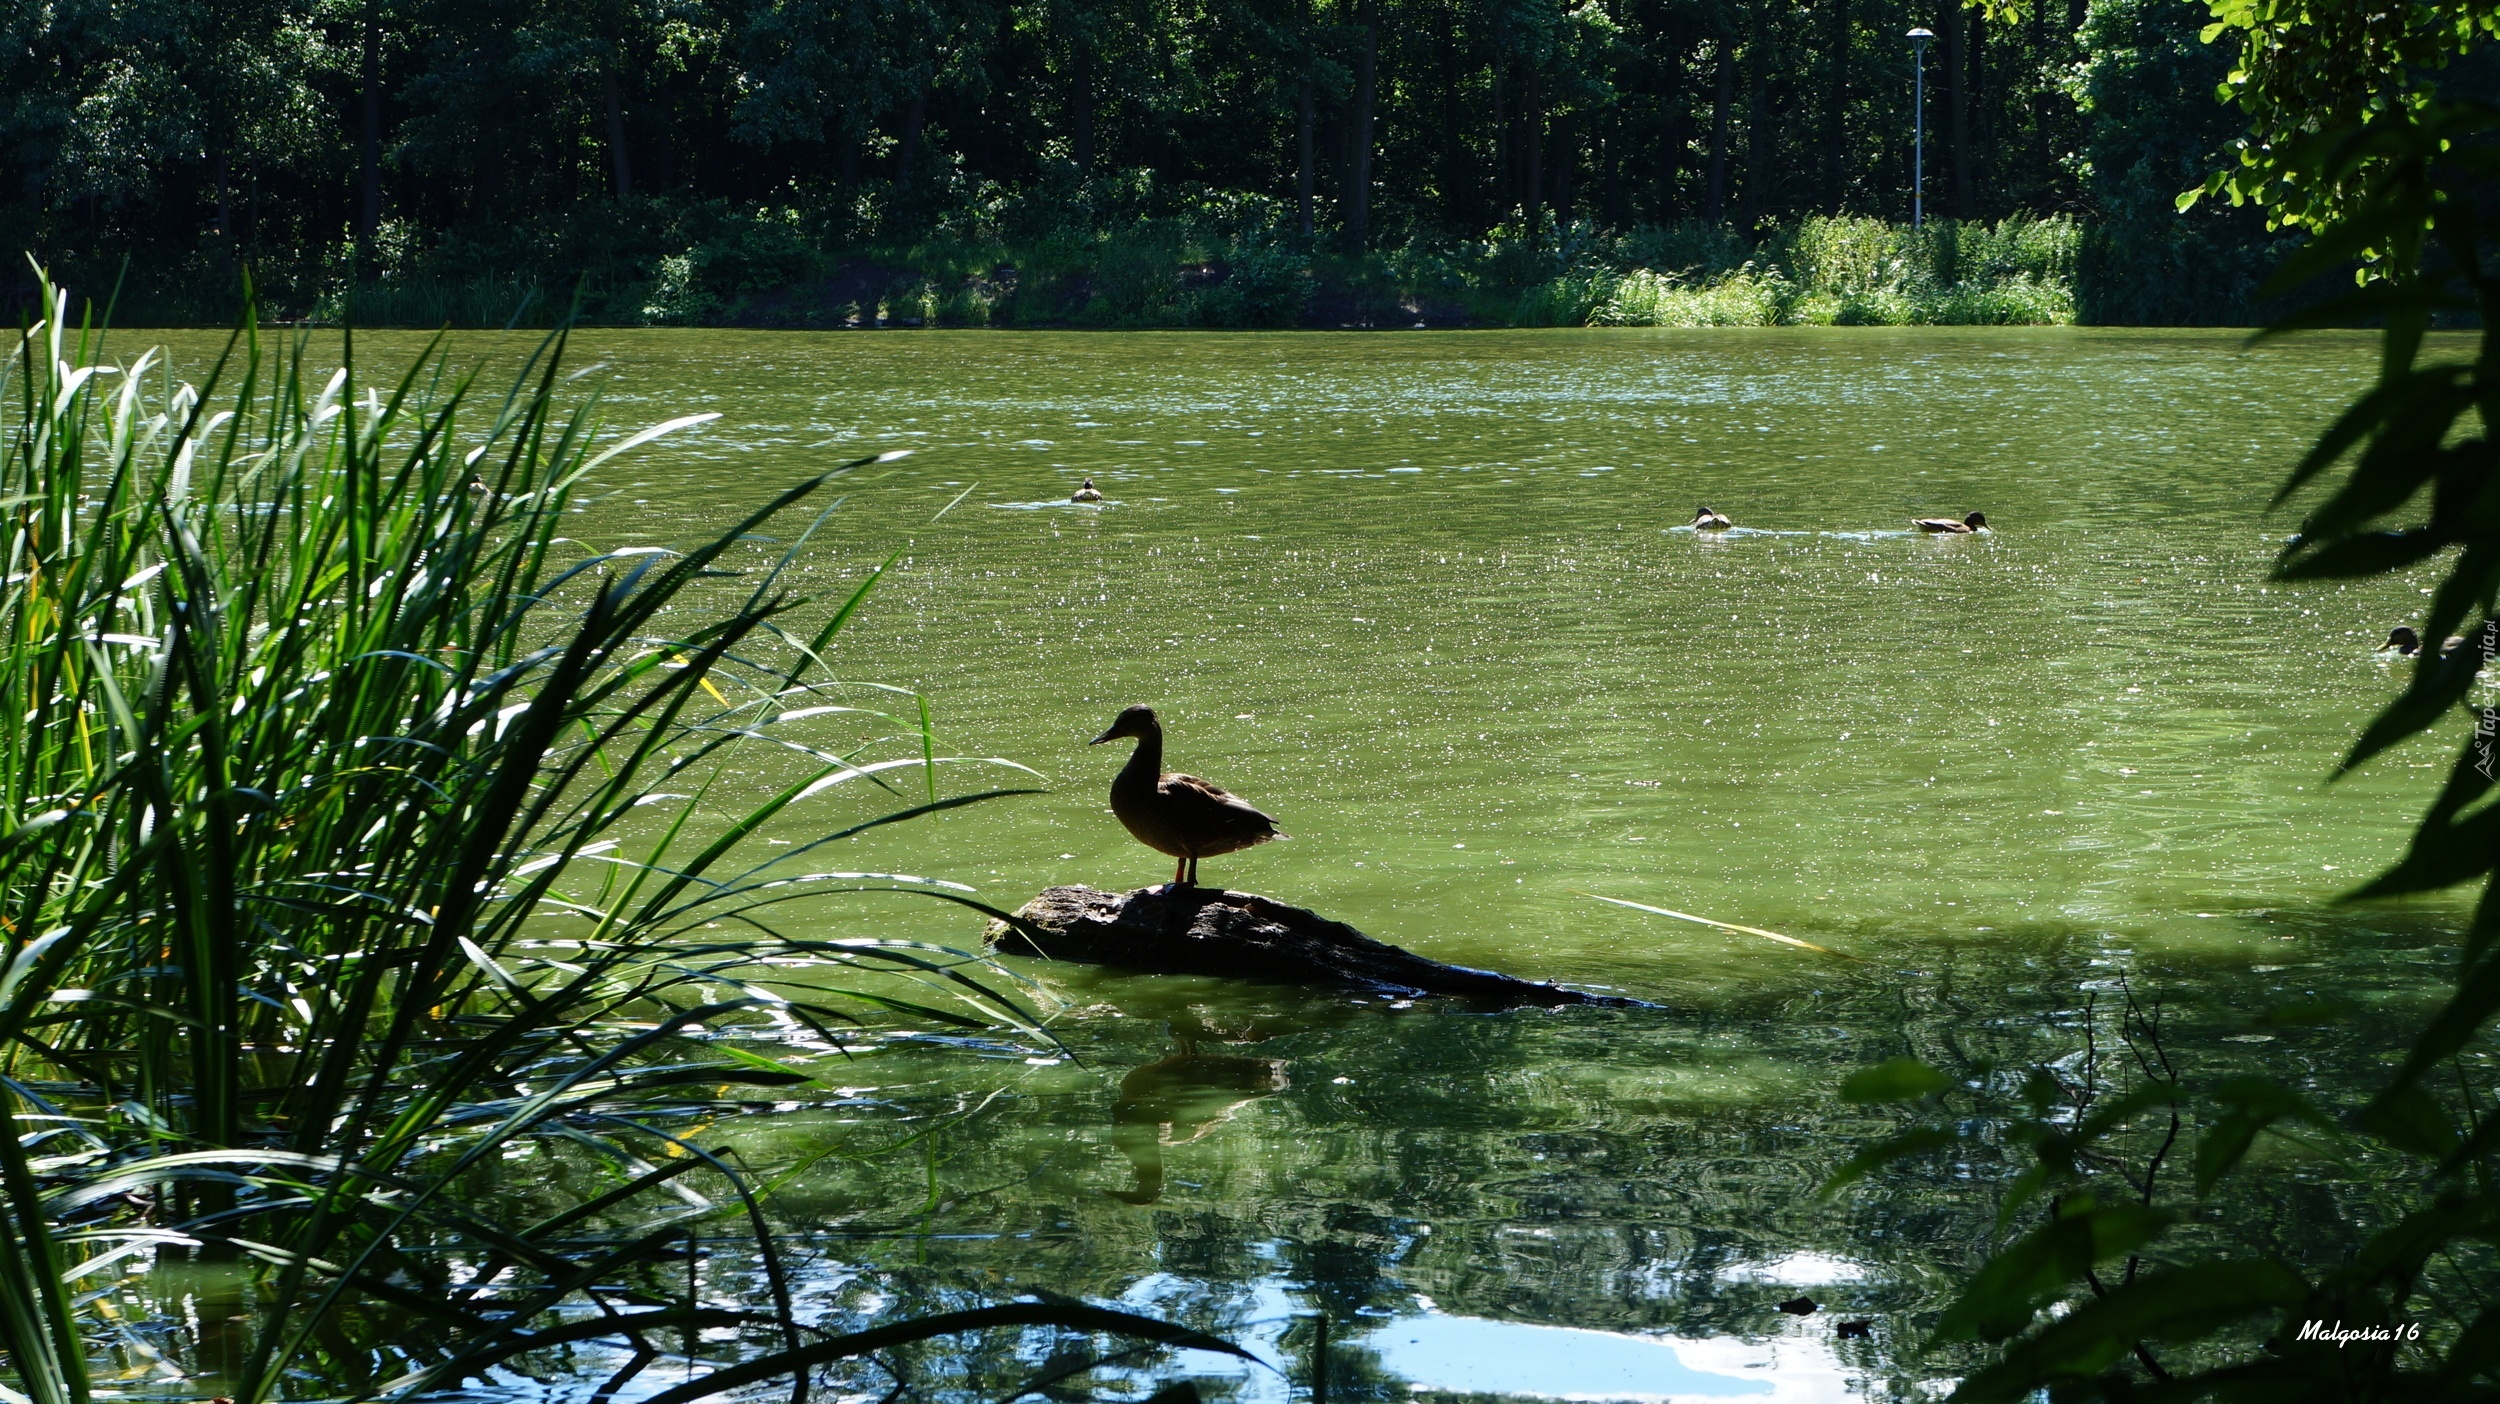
[(1177, 1100)]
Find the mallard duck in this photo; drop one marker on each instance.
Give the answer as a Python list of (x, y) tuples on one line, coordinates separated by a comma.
[(2407, 643), (1181, 815), (1086, 492), (1976, 521), (1706, 520)]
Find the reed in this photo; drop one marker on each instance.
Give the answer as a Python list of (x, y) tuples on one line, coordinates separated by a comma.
[(354, 840)]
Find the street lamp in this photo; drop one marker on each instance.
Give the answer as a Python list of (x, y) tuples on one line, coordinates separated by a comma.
[(1918, 124)]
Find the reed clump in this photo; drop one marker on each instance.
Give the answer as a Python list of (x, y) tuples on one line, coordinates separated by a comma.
[(353, 843)]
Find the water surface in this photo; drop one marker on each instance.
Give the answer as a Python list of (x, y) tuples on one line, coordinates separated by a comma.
[(1427, 599)]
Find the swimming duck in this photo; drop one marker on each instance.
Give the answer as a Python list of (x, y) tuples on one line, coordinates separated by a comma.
[(1976, 521), (1180, 815), (2408, 643), (1086, 492), (1706, 520)]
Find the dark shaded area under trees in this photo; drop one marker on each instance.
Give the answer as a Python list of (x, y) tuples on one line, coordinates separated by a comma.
[(800, 162)]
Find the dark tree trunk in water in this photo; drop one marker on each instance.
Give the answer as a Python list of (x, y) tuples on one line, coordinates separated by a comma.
[(369, 145), (1358, 204), (620, 164), (1722, 93), (1307, 159), (1836, 109), (1203, 931)]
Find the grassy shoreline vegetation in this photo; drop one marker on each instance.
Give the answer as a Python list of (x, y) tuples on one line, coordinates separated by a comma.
[(1235, 265), (380, 990)]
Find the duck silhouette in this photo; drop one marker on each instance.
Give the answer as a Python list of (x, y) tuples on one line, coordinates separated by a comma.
[(1179, 815), (1976, 521)]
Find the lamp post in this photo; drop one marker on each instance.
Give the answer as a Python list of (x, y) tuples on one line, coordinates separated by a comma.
[(1918, 126)]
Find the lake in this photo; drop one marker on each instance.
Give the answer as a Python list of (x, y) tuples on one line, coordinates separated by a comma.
[(1428, 598)]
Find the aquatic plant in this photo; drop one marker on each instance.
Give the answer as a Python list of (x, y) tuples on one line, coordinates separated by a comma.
[(353, 850)]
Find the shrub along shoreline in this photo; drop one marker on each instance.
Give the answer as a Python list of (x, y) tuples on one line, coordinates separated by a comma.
[(1221, 268)]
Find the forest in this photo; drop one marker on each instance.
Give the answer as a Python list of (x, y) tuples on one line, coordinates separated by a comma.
[(1230, 162)]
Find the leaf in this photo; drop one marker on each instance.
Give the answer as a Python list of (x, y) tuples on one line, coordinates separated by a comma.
[(2409, 1119), (1067, 1315), (2403, 1115), (1893, 1080), (2012, 1287), (1883, 1153), (2252, 1104), (2181, 1304), (2371, 553), (2392, 401)]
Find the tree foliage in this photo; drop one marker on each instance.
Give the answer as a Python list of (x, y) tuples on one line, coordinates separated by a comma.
[(325, 142), (2360, 130)]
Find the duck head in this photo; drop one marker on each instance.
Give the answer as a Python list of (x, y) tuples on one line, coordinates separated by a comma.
[(1976, 521), (2403, 640), (1134, 721)]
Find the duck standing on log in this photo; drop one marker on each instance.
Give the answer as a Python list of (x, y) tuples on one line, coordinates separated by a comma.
[(1179, 815)]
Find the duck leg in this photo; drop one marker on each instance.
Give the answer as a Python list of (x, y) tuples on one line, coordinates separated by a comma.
[(1193, 870), (1180, 872)]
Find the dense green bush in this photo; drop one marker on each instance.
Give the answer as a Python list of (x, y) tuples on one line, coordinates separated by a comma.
[(1120, 250)]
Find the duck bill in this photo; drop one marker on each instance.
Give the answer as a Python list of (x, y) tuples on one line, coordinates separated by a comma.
[(1112, 735)]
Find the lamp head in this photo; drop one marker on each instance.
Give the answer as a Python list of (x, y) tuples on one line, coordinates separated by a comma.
[(1922, 35)]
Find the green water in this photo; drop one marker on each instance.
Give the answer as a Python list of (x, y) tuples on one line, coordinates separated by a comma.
[(1424, 598)]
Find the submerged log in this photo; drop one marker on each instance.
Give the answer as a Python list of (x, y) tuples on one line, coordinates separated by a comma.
[(1206, 931)]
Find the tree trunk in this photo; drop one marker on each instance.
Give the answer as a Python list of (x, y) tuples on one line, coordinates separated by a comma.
[(1679, 132), (1306, 158), (619, 162), (1722, 94), (907, 153), (1757, 113), (1957, 107), (1240, 935), (1457, 181), (1083, 104), (1366, 99), (1612, 165), (1566, 165), (1532, 146), (1836, 110), (225, 209), (1982, 123), (1501, 146), (369, 146)]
